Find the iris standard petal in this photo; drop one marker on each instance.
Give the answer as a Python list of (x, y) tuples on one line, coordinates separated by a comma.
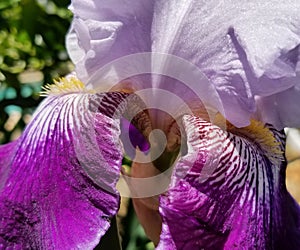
[(228, 192), (57, 183), (244, 48), (105, 30), (281, 109)]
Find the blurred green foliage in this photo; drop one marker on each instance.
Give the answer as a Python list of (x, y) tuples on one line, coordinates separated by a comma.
[(32, 52)]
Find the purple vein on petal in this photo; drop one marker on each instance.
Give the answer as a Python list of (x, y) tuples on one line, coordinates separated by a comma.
[(243, 202), (57, 182)]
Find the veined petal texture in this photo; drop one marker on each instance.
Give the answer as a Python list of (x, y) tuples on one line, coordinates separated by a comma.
[(57, 183), (227, 193)]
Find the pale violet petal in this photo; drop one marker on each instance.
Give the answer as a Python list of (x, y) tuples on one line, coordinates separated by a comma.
[(237, 44), (281, 109), (103, 31), (246, 49)]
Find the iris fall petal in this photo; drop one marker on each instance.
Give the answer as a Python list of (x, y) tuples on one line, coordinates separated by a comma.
[(57, 183), (227, 194)]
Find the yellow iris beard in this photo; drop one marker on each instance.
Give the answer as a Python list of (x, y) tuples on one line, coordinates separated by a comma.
[(260, 134), (256, 132), (64, 86)]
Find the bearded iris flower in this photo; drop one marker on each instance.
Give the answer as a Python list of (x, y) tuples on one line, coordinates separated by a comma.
[(219, 79)]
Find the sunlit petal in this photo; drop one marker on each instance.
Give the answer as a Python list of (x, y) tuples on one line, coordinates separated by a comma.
[(245, 48), (105, 30), (228, 192), (57, 183)]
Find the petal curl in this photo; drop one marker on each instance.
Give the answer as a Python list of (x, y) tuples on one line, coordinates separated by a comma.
[(226, 194), (57, 183), (245, 48), (105, 30)]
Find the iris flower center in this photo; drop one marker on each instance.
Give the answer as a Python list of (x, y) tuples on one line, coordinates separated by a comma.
[(164, 147)]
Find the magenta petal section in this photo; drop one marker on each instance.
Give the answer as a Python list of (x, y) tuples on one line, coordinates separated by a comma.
[(57, 183), (226, 193)]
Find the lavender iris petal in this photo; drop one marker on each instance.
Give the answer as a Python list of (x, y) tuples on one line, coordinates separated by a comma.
[(103, 31), (246, 49)]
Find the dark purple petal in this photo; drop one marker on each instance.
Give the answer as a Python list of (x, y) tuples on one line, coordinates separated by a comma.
[(228, 192), (57, 182), (132, 138)]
